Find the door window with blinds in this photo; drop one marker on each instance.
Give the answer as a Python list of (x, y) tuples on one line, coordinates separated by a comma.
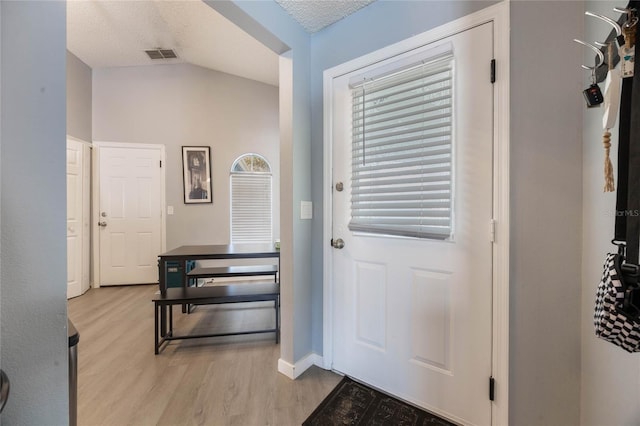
[(402, 150), (251, 200)]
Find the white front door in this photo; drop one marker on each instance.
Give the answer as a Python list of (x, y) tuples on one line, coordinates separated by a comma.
[(413, 316), (129, 214), (78, 162)]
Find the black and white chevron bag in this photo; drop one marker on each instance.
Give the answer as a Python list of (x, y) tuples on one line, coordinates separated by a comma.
[(617, 310), (612, 324)]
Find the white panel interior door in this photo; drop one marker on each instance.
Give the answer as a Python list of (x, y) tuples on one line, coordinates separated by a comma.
[(75, 211), (414, 316), (86, 218), (130, 212)]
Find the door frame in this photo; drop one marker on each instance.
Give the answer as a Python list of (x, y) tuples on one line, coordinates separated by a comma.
[(499, 15), (95, 198)]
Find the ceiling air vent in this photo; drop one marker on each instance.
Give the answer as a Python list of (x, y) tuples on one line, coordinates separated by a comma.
[(161, 54)]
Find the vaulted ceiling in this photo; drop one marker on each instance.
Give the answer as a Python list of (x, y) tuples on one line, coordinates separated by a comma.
[(109, 33)]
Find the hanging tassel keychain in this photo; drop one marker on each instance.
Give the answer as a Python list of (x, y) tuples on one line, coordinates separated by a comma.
[(611, 103), (627, 51)]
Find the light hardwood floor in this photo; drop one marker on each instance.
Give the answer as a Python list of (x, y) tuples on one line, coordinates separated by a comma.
[(217, 381)]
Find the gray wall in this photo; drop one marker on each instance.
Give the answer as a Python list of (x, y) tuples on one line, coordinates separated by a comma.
[(78, 98), (182, 104), (610, 375), (33, 307), (270, 24), (546, 219), (546, 185)]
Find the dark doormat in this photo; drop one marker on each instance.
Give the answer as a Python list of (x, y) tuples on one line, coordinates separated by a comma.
[(352, 403)]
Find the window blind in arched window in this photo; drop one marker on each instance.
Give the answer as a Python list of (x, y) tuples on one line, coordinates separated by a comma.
[(251, 200)]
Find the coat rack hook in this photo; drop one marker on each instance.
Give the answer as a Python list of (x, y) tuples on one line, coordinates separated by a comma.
[(632, 19), (606, 19), (596, 50)]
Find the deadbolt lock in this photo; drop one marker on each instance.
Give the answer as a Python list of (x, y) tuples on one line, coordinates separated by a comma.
[(339, 186)]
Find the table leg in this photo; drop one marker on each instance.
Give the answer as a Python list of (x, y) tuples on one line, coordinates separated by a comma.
[(277, 303), (184, 273), (162, 274), (170, 307), (162, 284), (157, 328)]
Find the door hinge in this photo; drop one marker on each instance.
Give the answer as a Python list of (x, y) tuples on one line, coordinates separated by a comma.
[(492, 388), (492, 230), (493, 71), (160, 163)]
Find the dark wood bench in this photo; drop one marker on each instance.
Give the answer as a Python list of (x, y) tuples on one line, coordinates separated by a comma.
[(235, 293), (233, 271)]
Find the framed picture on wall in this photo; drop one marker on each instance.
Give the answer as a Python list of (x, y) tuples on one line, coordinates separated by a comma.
[(196, 174)]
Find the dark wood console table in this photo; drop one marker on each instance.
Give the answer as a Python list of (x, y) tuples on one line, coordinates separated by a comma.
[(183, 254), (207, 252)]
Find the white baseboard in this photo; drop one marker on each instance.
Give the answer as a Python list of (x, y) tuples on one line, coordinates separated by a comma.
[(293, 371)]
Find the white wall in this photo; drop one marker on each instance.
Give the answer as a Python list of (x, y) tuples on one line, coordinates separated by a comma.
[(78, 98), (610, 375), (33, 263), (178, 105)]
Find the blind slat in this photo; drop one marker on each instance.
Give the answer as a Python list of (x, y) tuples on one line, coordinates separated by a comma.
[(402, 213), (421, 189), (390, 109), (370, 108), (358, 136), (442, 120), (436, 233), (426, 141), (402, 171), (406, 221), (391, 155), (404, 180), (392, 81), (404, 197)]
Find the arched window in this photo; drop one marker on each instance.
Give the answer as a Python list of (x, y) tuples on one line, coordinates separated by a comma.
[(251, 200)]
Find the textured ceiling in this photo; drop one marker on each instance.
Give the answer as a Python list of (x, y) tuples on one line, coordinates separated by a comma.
[(116, 33), (314, 15)]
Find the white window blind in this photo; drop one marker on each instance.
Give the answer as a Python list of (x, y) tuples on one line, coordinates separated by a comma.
[(251, 208), (402, 152)]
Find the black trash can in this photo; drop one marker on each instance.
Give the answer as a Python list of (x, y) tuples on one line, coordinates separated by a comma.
[(74, 338)]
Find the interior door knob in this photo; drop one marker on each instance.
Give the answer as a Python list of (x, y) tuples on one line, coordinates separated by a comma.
[(103, 224), (339, 243)]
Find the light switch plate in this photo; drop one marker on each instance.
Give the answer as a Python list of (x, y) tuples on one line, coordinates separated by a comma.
[(306, 210), (169, 210)]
